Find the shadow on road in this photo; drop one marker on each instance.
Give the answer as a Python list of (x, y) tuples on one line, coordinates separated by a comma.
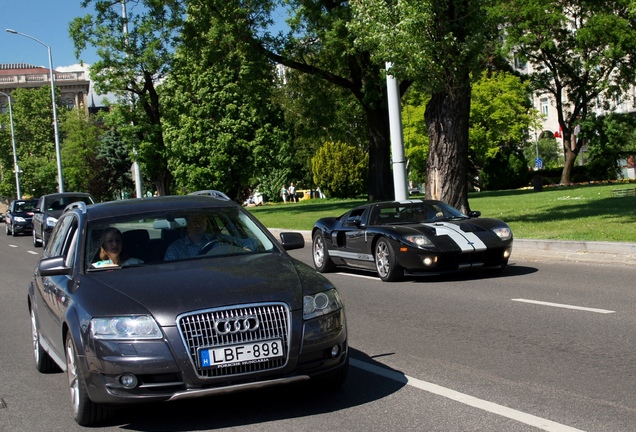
[(261, 406)]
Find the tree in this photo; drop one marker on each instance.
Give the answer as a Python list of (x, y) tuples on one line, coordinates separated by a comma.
[(500, 117), (581, 51), (135, 52), (224, 131), (319, 43), (35, 144), (415, 134), (438, 44), (339, 170)]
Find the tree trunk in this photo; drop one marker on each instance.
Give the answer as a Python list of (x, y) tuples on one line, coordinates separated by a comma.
[(570, 158), (447, 116), (380, 179)]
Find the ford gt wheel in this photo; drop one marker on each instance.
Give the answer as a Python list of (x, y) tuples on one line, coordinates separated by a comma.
[(85, 411), (322, 262), (386, 262)]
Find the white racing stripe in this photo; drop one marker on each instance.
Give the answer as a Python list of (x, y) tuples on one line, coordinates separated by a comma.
[(529, 419), (467, 241)]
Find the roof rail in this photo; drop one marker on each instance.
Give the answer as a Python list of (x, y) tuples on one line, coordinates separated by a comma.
[(77, 204), (212, 193)]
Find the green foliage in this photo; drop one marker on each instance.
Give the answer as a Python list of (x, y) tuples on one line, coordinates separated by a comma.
[(222, 128), (415, 134), (508, 169), (548, 152), (339, 169), (35, 144)]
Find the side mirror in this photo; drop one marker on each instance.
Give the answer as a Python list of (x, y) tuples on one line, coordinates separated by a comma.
[(55, 266), (292, 240), (474, 214)]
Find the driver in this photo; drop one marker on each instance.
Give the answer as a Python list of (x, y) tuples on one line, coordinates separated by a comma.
[(191, 244)]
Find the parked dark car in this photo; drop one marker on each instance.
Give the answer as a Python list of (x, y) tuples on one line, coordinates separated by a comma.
[(144, 324), (416, 237), (48, 209), (19, 217)]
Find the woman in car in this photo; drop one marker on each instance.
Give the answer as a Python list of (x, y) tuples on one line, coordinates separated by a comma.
[(111, 251)]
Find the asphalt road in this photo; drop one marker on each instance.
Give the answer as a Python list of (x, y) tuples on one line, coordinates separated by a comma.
[(547, 344)]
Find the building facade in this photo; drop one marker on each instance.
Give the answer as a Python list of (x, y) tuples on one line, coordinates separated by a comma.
[(72, 86)]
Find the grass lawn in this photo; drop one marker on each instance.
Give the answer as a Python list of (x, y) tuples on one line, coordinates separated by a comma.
[(581, 212)]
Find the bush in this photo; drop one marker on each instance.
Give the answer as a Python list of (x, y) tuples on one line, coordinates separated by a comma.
[(339, 169), (505, 171)]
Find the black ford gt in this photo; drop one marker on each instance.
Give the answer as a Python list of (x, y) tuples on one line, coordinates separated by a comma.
[(416, 236)]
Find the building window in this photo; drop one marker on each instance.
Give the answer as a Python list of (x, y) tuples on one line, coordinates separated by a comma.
[(545, 106)]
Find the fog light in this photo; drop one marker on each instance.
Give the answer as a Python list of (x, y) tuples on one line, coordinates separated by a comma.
[(429, 260), (507, 253), (335, 351), (128, 381)]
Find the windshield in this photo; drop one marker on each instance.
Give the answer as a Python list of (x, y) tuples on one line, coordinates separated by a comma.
[(24, 206), (416, 212), (184, 235)]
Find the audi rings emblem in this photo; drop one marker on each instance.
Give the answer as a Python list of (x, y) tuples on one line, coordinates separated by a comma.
[(240, 324)]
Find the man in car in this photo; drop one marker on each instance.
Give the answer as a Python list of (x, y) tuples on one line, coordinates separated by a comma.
[(191, 244)]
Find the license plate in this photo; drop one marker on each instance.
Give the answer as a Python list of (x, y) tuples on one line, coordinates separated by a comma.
[(241, 354)]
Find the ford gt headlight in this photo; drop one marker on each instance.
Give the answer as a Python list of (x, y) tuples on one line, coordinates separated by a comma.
[(322, 303), (126, 327), (504, 233), (50, 222), (419, 240)]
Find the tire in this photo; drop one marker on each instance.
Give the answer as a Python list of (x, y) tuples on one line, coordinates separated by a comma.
[(6, 228), (35, 239), (322, 261), (85, 411), (13, 233), (386, 262), (43, 362)]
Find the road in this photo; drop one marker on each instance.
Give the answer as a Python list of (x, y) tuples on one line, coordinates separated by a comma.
[(544, 345)]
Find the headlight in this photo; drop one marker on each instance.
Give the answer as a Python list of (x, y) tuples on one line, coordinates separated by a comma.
[(504, 233), (51, 221), (19, 219), (321, 303), (419, 240), (125, 327)]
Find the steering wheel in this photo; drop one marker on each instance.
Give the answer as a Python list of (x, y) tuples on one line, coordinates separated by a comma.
[(215, 243)]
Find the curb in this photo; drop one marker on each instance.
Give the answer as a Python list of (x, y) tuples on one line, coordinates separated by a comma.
[(592, 252)]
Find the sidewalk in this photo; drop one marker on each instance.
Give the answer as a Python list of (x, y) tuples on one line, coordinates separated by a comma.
[(553, 250)]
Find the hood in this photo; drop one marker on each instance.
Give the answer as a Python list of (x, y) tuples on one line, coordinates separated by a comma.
[(169, 289)]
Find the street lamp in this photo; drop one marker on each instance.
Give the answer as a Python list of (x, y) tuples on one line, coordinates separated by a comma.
[(15, 154), (60, 179)]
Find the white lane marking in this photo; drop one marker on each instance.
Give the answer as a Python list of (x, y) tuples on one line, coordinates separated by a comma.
[(565, 306), (13, 246), (33, 252), (494, 408)]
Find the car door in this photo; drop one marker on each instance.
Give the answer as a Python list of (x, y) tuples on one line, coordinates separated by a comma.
[(52, 291), (351, 240)]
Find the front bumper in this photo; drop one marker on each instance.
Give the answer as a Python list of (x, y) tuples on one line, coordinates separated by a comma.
[(165, 371)]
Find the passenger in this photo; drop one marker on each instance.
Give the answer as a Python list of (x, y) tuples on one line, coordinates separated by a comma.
[(111, 251), (191, 244)]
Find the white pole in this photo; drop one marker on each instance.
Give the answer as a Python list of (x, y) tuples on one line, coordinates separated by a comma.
[(397, 138), (135, 166), (58, 153), (16, 169)]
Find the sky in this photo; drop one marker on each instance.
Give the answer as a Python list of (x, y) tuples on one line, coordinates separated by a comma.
[(46, 20)]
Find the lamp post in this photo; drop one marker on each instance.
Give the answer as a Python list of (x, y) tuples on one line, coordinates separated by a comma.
[(60, 179), (15, 154)]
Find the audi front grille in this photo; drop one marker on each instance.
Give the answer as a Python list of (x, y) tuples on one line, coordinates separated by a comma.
[(240, 329)]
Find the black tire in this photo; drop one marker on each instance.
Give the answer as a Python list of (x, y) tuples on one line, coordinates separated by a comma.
[(43, 362), (320, 254), (85, 411), (386, 262), (36, 243), (13, 233), (6, 228)]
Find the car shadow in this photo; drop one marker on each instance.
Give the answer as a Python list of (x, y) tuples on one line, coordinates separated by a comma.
[(511, 270), (265, 405)]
